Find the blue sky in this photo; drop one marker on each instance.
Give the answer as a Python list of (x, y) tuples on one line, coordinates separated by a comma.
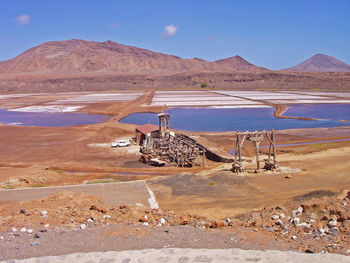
[(270, 33)]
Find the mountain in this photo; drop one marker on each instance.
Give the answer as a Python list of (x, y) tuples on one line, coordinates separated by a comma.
[(236, 62), (80, 56), (321, 63)]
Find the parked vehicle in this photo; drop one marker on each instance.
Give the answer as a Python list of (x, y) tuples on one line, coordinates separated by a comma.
[(121, 143)]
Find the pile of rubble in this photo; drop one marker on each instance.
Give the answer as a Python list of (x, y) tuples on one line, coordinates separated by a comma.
[(74, 210), (316, 225)]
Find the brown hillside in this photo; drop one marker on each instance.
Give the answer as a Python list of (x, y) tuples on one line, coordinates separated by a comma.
[(80, 56)]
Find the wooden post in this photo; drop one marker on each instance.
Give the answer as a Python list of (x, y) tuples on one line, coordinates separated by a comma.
[(257, 155), (273, 147)]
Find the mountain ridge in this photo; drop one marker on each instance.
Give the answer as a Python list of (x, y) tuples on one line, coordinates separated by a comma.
[(77, 56)]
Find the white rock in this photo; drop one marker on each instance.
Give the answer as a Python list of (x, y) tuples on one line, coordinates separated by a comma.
[(296, 220), (23, 229), (304, 224), (90, 221), (332, 223), (297, 212), (44, 213), (145, 224), (1, 238), (294, 237), (82, 226), (47, 225), (106, 216), (145, 217), (282, 215), (310, 221), (14, 229), (162, 221), (29, 231), (275, 217), (344, 203), (228, 220)]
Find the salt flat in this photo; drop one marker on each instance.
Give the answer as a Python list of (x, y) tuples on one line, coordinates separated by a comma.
[(243, 98)]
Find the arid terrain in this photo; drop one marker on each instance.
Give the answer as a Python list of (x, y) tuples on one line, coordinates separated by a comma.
[(210, 198), (303, 206)]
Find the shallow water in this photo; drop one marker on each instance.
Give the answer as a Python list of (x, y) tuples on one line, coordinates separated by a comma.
[(45, 119), (216, 120), (321, 111)]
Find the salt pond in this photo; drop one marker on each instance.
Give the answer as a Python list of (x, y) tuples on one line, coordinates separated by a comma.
[(320, 111), (47, 119), (246, 119)]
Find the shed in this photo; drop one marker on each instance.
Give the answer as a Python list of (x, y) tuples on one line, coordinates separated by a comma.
[(146, 130)]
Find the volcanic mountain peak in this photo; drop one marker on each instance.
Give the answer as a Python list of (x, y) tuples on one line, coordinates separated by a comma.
[(322, 63), (238, 63), (79, 56)]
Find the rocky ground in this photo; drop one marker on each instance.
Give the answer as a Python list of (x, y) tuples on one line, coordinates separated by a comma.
[(312, 223)]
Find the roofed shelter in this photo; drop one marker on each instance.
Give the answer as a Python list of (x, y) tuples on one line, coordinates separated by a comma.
[(146, 130)]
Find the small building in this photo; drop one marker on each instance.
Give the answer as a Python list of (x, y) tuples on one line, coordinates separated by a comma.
[(145, 130)]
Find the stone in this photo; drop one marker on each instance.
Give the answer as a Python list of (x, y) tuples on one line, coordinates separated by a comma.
[(47, 225), (255, 219), (22, 211), (34, 244), (184, 220), (82, 226), (23, 229), (29, 231), (279, 222), (90, 221), (275, 217), (332, 223), (36, 235), (334, 231), (162, 221), (43, 230), (282, 215), (145, 224), (297, 212), (44, 213), (218, 224), (294, 237), (98, 208), (296, 220), (142, 219), (228, 220), (344, 203)]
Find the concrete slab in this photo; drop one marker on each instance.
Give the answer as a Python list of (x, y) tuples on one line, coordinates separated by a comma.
[(191, 255), (111, 193)]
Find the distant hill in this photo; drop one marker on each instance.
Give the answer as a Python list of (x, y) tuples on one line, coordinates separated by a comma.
[(321, 63), (236, 62), (80, 56)]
